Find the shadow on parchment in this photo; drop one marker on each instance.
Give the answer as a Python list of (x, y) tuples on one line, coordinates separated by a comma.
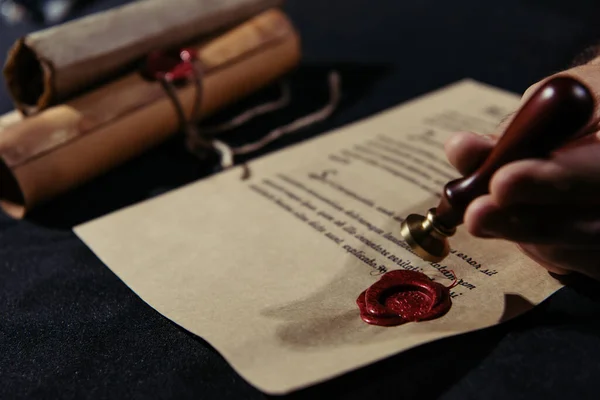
[(170, 166), (317, 322), (320, 320), (424, 372), (514, 306)]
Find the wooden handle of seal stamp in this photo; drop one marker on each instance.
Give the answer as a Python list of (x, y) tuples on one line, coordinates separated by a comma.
[(556, 113)]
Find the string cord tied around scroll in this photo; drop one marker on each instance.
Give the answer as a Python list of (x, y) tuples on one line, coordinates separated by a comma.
[(172, 69)]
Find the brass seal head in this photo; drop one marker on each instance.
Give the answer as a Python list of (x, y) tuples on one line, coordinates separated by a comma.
[(427, 238)]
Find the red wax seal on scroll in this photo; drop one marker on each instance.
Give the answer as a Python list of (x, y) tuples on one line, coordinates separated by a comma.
[(172, 66), (403, 296)]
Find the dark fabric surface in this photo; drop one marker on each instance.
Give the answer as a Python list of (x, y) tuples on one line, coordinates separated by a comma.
[(70, 329)]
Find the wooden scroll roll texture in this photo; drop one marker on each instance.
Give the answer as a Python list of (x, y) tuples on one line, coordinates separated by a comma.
[(49, 153), (49, 66)]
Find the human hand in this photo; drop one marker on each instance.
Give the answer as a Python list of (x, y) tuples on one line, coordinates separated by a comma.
[(549, 207)]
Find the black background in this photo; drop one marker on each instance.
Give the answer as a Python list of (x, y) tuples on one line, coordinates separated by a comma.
[(70, 329)]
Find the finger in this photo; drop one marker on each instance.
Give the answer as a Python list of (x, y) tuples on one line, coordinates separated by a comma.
[(466, 150), (571, 177), (564, 226)]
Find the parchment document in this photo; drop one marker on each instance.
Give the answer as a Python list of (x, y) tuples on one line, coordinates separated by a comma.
[(268, 270)]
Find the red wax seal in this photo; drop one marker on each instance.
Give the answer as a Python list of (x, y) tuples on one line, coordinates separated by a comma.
[(403, 296), (171, 66)]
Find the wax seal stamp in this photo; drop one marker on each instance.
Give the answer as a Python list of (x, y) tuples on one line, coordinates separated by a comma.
[(558, 111), (403, 296)]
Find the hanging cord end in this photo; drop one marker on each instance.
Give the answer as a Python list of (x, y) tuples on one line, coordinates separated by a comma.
[(228, 153), (174, 68)]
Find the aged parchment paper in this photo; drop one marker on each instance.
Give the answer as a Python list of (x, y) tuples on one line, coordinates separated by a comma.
[(268, 270)]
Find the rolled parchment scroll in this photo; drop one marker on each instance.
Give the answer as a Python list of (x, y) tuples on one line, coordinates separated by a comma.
[(49, 66), (63, 146)]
